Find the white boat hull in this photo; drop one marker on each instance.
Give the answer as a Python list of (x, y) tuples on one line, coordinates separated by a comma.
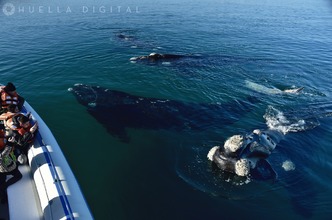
[(49, 180)]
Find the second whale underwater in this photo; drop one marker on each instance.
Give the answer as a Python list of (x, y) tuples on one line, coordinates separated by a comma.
[(118, 111)]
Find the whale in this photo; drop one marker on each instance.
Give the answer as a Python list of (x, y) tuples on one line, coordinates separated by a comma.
[(266, 90), (246, 155), (131, 38), (123, 36), (156, 57), (206, 58), (118, 110), (255, 156)]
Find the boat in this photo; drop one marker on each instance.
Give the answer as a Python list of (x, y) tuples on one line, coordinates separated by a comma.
[(48, 189)]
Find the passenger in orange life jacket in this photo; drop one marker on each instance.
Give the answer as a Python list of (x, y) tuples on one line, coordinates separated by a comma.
[(12, 111), (6, 117), (9, 96), (22, 130)]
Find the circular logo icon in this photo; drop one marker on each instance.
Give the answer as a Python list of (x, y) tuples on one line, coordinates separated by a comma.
[(8, 9)]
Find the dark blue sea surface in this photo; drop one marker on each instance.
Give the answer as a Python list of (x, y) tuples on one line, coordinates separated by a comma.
[(244, 48)]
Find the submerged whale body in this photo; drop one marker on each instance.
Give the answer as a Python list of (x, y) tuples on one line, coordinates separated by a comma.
[(266, 90), (155, 57), (118, 110), (124, 36)]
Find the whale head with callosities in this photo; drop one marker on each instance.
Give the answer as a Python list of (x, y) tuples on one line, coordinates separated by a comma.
[(245, 155)]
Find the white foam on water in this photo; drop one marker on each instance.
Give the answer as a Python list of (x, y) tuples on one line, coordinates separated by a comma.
[(92, 104), (288, 165), (276, 120)]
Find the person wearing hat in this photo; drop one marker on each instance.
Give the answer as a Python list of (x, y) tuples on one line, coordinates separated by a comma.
[(9, 97)]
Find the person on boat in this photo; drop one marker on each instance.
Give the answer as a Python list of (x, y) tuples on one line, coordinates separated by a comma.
[(9, 96), (6, 118), (8, 167), (19, 127), (12, 110), (25, 134)]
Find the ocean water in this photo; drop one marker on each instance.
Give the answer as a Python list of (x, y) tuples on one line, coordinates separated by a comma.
[(246, 48)]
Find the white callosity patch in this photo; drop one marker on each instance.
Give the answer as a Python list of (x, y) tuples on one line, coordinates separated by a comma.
[(233, 143), (212, 152), (242, 167)]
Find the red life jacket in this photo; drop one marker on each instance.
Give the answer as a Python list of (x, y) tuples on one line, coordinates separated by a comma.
[(22, 130), (2, 143), (7, 99), (11, 121)]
